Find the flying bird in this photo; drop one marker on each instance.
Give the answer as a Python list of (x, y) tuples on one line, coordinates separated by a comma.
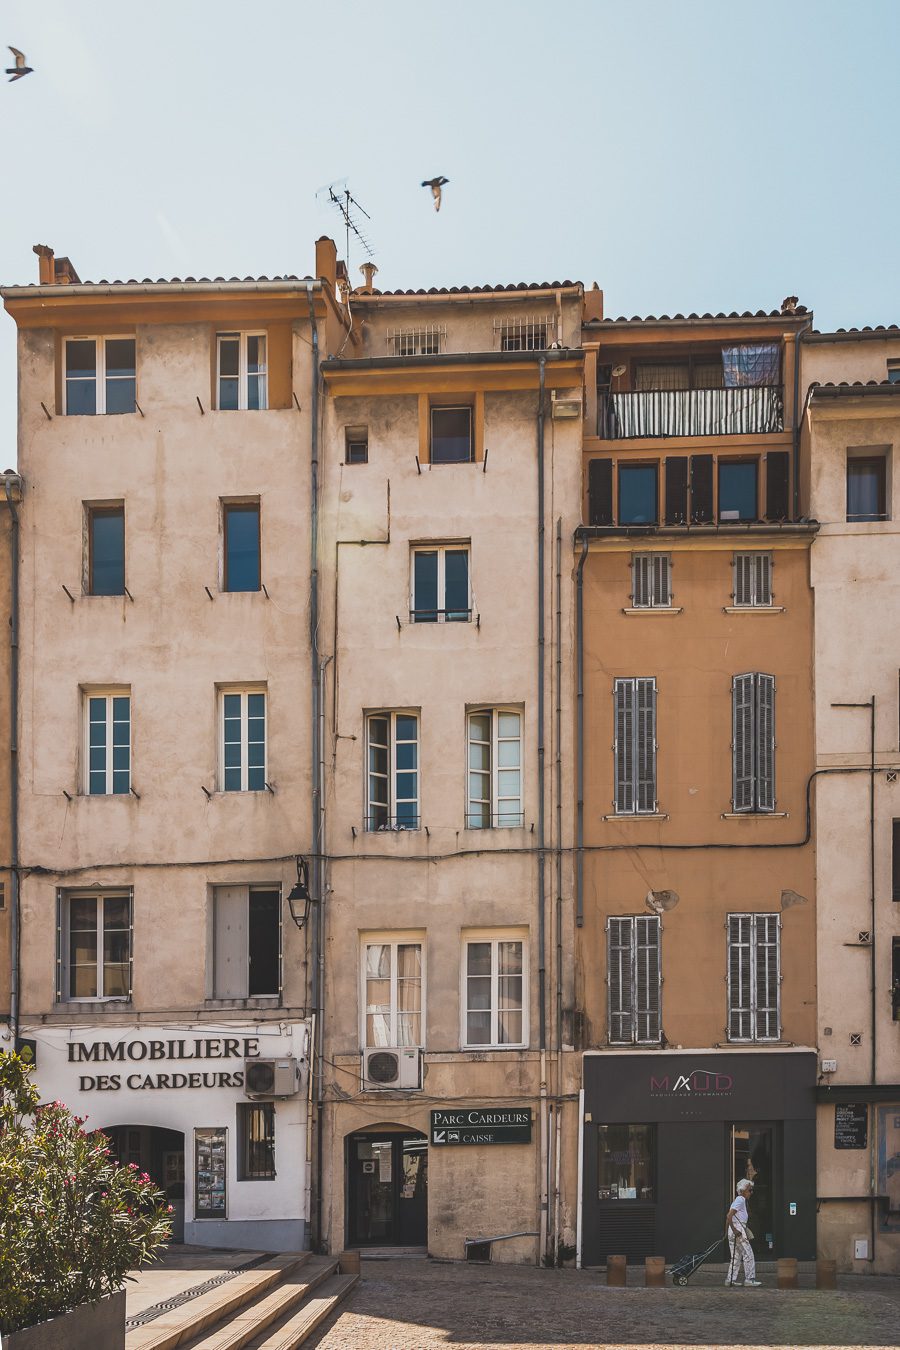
[(435, 184), (19, 69)]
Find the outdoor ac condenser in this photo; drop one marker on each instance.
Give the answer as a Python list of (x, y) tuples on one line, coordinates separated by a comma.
[(387, 1069), (265, 1078)]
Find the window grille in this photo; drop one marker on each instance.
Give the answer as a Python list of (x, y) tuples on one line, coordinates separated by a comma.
[(754, 977), (753, 742), (428, 340), (635, 746), (530, 333), (651, 581), (256, 1122), (752, 579), (633, 978)]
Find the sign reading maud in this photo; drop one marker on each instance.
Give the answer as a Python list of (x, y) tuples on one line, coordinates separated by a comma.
[(176, 1051)]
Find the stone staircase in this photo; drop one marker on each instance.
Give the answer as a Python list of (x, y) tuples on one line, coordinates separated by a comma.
[(276, 1305)]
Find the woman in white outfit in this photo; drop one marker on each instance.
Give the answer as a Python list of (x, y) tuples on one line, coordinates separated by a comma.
[(739, 1235)]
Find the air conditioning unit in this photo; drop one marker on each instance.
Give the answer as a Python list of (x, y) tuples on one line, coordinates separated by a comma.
[(564, 407), (264, 1078), (388, 1069)]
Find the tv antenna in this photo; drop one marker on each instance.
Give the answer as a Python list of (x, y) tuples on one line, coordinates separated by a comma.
[(350, 211)]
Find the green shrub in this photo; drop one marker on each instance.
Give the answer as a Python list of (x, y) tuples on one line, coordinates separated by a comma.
[(72, 1221)]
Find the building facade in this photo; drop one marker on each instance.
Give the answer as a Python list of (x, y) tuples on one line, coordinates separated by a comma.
[(852, 444)]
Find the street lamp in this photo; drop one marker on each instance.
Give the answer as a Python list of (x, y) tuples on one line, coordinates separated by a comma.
[(300, 894)]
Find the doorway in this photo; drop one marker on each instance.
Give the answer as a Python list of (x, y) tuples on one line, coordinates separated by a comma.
[(159, 1153), (387, 1191), (753, 1158)]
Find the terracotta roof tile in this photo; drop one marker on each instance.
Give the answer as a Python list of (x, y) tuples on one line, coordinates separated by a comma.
[(471, 290), (867, 328), (675, 318)]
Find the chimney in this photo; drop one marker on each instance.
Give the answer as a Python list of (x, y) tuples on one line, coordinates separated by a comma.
[(54, 271), (593, 304), (45, 256), (368, 270), (326, 261)]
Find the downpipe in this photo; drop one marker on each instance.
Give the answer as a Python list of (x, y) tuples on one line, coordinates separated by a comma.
[(14, 908), (541, 886)]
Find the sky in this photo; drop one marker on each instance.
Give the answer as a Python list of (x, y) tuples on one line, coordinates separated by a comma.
[(687, 156)]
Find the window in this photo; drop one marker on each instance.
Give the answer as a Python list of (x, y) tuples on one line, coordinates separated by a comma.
[(638, 494), (754, 977), (425, 341), (440, 584), (100, 375), (495, 769), (94, 944), (752, 580), (356, 445), (633, 980), (651, 575), (893, 372), (240, 552), (256, 1141), (494, 992), (753, 742), (451, 436), (246, 942), (107, 753), (634, 749), (867, 487), (105, 571), (393, 771), (243, 744), (392, 993), (242, 372), (738, 495), (895, 859), (626, 1162), (525, 334)]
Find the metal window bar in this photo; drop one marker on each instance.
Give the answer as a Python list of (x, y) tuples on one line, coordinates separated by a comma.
[(752, 579), (653, 413), (440, 616), (428, 340), (259, 1142), (530, 333), (379, 824), (651, 584)]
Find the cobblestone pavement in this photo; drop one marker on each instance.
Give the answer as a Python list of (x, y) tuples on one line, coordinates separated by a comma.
[(417, 1305)]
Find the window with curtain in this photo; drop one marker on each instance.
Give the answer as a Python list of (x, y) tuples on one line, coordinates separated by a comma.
[(392, 977)]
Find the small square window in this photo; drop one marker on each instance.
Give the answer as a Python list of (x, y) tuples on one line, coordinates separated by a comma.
[(100, 375), (651, 581), (356, 445), (752, 580), (738, 491), (867, 487), (451, 436), (242, 374), (440, 584), (893, 372)]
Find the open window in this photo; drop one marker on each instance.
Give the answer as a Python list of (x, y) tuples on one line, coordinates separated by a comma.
[(246, 942)]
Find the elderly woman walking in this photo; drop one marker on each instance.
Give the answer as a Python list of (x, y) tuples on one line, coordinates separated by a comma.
[(739, 1235)]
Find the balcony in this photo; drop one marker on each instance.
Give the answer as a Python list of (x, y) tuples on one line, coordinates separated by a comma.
[(654, 413)]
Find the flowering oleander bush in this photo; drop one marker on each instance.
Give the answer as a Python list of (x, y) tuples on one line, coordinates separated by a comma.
[(72, 1221)]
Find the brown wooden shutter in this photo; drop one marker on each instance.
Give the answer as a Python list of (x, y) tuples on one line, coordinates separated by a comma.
[(600, 510), (676, 479), (701, 489), (778, 485)]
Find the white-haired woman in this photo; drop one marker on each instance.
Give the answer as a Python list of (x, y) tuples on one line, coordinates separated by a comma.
[(739, 1235)]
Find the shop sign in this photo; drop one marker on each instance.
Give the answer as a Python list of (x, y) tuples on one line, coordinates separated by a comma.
[(482, 1125), (694, 1083), (147, 1051), (851, 1125)]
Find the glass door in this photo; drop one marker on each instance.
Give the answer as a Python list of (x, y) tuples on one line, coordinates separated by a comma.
[(753, 1158), (388, 1191)]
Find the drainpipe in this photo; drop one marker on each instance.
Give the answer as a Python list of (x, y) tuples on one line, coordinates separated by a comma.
[(13, 759), (542, 993), (797, 415), (559, 828), (579, 735)]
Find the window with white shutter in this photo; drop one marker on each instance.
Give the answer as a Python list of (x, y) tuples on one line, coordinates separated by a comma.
[(753, 742), (634, 750), (651, 585), (633, 977), (752, 580), (754, 977)]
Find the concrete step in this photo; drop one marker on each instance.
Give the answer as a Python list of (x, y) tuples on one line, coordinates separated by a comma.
[(187, 1320), (294, 1330), (280, 1302)]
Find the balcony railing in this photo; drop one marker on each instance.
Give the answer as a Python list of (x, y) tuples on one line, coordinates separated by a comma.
[(652, 413)]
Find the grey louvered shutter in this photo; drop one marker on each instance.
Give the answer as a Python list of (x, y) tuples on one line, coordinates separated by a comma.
[(620, 978), (765, 742), (742, 742), (624, 745), (767, 976), (762, 590), (661, 579), (743, 579), (642, 580), (645, 745), (740, 977), (646, 979)]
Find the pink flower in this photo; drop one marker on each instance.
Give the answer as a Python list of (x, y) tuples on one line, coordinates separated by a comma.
[(171, 1209)]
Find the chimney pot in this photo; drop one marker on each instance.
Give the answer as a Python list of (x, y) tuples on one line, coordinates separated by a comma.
[(369, 271)]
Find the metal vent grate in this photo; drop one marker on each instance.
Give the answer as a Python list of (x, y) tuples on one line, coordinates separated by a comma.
[(625, 1232)]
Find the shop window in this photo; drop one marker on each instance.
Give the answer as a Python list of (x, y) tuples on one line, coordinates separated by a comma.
[(495, 769), (626, 1162), (440, 584), (256, 1141), (634, 746), (738, 490), (867, 487), (494, 992), (753, 742), (241, 371), (452, 440), (633, 977), (240, 546), (104, 572), (638, 494), (99, 375), (246, 942), (651, 578), (210, 1173), (94, 946), (242, 740), (392, 771), (392, 993), (752, 580), (107, 742), (754, 977), (356, 445)]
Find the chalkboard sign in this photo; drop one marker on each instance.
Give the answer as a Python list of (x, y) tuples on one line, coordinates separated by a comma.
[(851, 1126)]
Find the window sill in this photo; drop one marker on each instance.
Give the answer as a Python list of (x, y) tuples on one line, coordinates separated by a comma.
[(97, 1005), (753, 609), (636, 815), (754, 815), (254, 1001), (491, 1049), (654, 609)]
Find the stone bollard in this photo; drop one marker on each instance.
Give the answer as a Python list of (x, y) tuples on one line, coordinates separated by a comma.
[(787, 1272), (826, 1273), (616, 1271), (655, 1272), (349, 1263)]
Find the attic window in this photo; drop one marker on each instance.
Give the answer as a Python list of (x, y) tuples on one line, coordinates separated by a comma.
[(527, 334), (356, 445), (428, 340)]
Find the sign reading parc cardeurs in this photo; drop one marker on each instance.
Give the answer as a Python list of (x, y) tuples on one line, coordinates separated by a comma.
[(170, 1051), (481, 1125)]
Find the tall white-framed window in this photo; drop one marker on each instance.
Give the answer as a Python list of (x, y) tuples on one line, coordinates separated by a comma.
[(106, 756), (392, 990), (634, 747), (242, 738), (633, 979), (752, 585), (439, 584), (494, 990), (241, 371), (94, 946), (494, 792), (651, 581), (100, 375), (392, 771), (754, 977), (753, 742)]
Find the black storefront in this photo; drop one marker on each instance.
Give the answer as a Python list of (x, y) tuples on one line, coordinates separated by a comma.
[(667, 1136)]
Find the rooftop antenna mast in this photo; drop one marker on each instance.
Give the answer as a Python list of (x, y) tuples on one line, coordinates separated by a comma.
[(350, 211)]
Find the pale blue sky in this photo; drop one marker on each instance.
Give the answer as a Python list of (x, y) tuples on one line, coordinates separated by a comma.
[(687, 156)]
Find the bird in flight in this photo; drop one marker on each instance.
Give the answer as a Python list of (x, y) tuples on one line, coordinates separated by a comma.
[(436, 184), (19, 69)]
